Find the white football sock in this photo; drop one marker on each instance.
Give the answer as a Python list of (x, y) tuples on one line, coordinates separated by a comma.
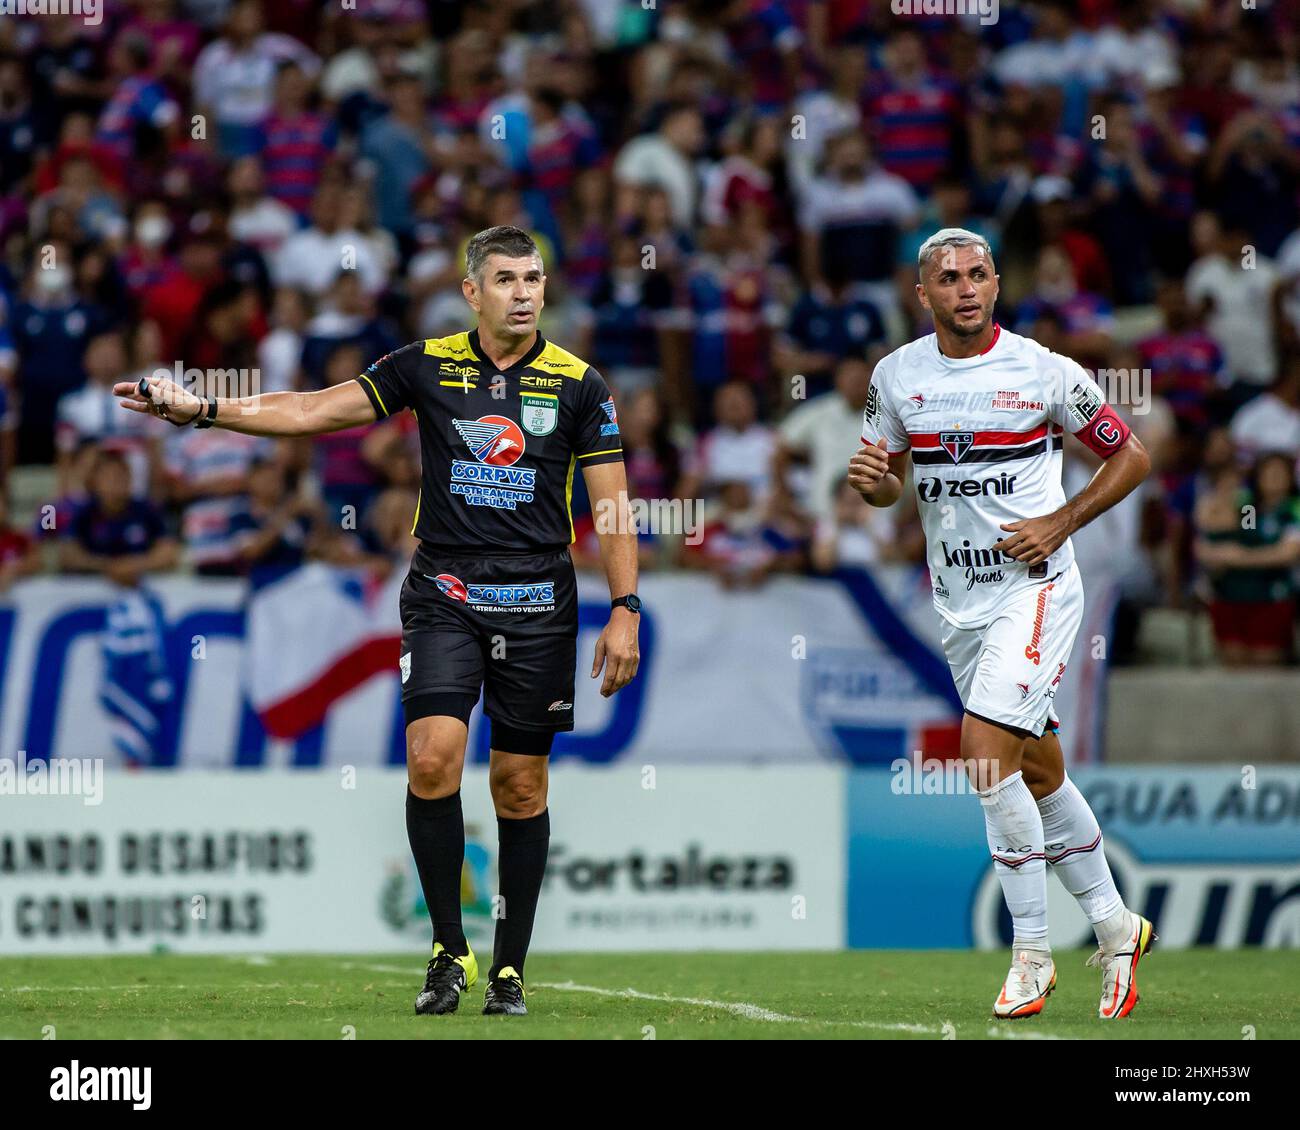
[(1074, 849), (1015, 834)]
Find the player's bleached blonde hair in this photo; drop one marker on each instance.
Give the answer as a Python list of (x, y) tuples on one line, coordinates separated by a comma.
[(949, 237)]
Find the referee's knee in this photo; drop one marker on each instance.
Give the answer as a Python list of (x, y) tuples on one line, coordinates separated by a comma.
[(520, 791), (433, 761)]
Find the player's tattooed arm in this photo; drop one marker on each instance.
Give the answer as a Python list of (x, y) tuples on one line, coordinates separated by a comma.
[(1034, 540), (617, 651), (877, 475)]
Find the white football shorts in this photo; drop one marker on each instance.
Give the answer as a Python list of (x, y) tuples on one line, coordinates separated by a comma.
[(1008, 670)]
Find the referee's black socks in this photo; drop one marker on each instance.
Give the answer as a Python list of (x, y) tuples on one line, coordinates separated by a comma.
[(436, 831), (522, 847)]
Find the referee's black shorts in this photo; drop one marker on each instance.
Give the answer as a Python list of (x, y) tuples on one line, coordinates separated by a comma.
[(505, 625)]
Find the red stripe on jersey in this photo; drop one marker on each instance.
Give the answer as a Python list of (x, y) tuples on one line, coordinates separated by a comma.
[(997, 333), (984, 439)]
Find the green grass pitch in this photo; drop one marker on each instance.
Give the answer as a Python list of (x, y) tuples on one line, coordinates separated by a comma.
[(1194, 994)]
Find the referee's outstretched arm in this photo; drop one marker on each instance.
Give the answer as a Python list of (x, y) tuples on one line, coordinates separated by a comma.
[(271, 414)]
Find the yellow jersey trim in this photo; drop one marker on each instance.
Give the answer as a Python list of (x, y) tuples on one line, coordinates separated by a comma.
[(568, 499), (363, 377), (456, 346), (607, 451), (559, 361)]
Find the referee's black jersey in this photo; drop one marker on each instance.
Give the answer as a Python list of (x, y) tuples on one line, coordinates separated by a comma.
[(498, 448)]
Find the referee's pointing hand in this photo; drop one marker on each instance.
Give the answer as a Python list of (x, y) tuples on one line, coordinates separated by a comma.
[(161, 396)]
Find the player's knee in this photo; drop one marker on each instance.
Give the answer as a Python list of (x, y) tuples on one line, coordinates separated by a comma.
[(432, 767), (518, 794)]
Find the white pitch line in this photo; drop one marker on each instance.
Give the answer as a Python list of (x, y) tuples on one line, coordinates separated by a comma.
[(736, 1008), (996, 1033)]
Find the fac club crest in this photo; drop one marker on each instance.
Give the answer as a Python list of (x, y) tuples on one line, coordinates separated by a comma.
[(956, 444)]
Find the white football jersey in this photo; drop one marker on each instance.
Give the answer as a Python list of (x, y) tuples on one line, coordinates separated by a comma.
[(986, 435)]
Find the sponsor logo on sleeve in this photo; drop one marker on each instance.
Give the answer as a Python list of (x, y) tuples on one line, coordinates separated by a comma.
[(1083, 404)]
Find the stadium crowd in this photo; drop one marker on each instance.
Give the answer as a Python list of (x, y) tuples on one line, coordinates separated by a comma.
[(729, 197)]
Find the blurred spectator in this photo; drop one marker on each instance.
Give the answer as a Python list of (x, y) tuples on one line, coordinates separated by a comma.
[(1058, 227), (629, 305), (92, 413), (347, 481), (118, 536), (739, 546), (819, 433), (20, 126), (1254, 175), (853, 534), (19, 554), (140, 101), (400, 148), (1086, 319), (1186, 364), (1271, 421), (737, 448), (256, 217), (234, 76), (852, 217), (825, 113), (294, 143), (279, 354), (274, 530), (346, 317), (730, 313), (916, 115), (174, 301), (144, 262), (207, 475), (1123, 191), (312, 259), (51, 328), (829, 321), (1232, 288), (666, 158), (653, 458), (1250, 544)]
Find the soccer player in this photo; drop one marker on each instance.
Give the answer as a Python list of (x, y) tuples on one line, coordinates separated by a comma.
[(490, 601), (982, 412)]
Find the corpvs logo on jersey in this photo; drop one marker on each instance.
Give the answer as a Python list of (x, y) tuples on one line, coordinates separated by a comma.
[(523, 596), (492, 479)]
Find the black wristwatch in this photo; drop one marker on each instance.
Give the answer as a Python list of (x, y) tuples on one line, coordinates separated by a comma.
[(207, 414), (631, 602)]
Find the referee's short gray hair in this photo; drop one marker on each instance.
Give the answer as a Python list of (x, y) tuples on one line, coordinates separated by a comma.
[(512, 242), (950, 237)]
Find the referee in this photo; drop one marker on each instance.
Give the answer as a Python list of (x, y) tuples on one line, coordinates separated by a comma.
[(490, 603)]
